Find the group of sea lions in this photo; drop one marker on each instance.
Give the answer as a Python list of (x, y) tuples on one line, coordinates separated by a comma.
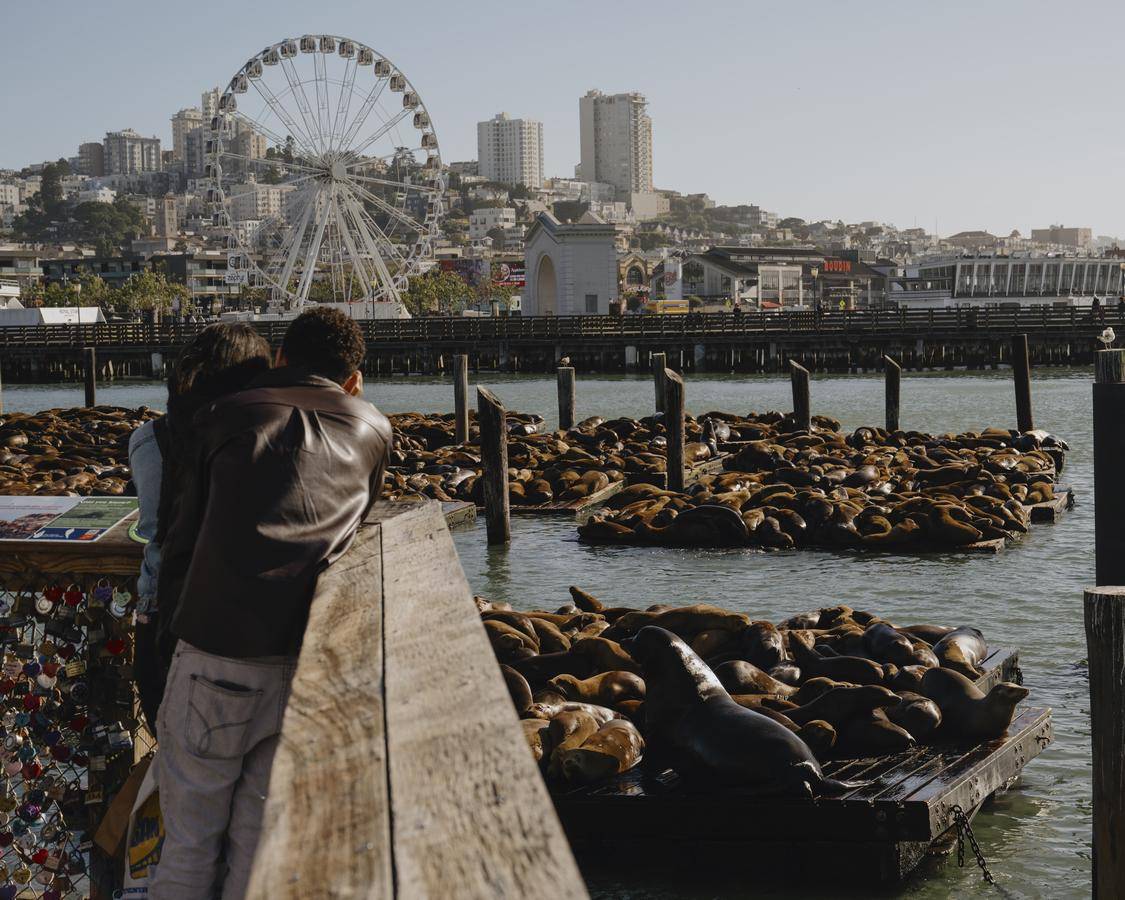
[(80, 451), (724, 699), (872, 489)]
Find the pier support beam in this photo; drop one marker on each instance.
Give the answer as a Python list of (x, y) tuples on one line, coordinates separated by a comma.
[(891, 376), (494, 462), (630, 357), (461, 397), (674, 428), (566, 397), (700, 358), (1109, 474), (1021, 370)]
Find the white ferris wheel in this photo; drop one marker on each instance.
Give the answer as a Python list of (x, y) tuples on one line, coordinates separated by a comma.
[(324, 175)]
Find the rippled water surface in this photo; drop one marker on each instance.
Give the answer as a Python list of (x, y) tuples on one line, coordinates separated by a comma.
[(1036, 836)]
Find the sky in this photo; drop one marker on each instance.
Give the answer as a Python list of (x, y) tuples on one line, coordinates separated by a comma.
[(993, 114)]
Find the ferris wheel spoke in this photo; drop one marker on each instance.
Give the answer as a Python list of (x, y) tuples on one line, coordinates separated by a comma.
[(279, 109), (261, 128), (320, 85), (368, 276), (387, 182), (297, 238), (313, 253), (302, 101), (344, 102), (372, 240), (382, 130), (378, 236), (389, 208), (364, 111), (267, 161)]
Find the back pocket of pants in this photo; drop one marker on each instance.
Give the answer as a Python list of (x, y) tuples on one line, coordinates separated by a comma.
[(219, 718)]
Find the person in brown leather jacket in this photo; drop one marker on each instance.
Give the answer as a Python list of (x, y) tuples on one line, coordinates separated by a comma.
[(285, 473)]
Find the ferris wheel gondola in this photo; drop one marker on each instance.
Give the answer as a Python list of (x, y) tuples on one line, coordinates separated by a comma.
[(325, 174)]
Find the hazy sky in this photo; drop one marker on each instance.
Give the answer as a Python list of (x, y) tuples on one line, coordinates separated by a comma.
[(995, 115)]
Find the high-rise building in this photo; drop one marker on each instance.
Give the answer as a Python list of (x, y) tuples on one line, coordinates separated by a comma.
[(209, 103), (127, 153), (195, 156), (247, 144), (183, 122), (91, 159), (511, 150), (166, 220), (616, 136)]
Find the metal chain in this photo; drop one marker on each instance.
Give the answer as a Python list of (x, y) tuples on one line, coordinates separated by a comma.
[(964, 829)]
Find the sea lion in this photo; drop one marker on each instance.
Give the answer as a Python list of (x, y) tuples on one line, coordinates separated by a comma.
[(819, 735), (585, 601), (968, 712), (917, 714), (815, 687), (708, 525), (763, 645), (962, 650), (534, 732), (872, 734), (741, 677), (550, 636), (854, 669), (545, 666), (885, 644), (787, 672), (908, 678), (568, 728), (840, 704), (606, 689), (708, 736), (604, 655), (614, 748), (518, 688)]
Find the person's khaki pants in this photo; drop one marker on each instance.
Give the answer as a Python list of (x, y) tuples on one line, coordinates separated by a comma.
[(218, 725)]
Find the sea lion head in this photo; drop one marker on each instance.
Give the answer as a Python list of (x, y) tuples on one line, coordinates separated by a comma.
[(1007, 694), (674, 672)]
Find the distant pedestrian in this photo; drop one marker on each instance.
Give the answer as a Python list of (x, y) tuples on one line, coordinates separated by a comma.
[(1097, 314), (1121, 307)]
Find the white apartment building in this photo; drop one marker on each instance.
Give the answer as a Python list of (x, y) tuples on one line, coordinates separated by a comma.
[(10, 194), (183, 122), (510, 150), (483, 220), (97, 195), (209, 103), (127, 153), (252, 200), (616, 142)]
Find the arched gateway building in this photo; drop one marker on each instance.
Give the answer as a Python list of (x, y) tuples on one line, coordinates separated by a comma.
[(571, 268)]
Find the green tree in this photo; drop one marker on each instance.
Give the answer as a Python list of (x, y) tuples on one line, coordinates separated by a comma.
[(151, 291), (437, 292)]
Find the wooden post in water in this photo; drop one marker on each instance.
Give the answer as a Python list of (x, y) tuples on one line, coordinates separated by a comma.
[(674, 428), (90, 361), (566, 397), (892, 372), (1109, 474), (1021, 371), (802, 408), (659, 361), (1104, 609), (461, 397), (494, 462)]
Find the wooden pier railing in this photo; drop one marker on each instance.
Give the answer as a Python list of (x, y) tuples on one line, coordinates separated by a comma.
[(455, 330), (402, 770)]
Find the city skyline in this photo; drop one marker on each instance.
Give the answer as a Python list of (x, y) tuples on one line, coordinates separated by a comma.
[(835, 114)]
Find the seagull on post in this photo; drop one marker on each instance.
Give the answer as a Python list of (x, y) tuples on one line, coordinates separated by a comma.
[(1107, 337)]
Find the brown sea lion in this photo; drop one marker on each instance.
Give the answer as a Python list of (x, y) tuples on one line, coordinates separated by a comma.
[(707, 736), (884, 644), (854, 669), (606, 689), (604, 655), (614, 748), (819, 735), (545, 666), (550, 637), (518, 688), (815, 687), (763, 645), (962, 650), (840, 704), (585, 601), (787, 672), (872, 734), (968, 712), (534, 732), (741, 677), (917, 714)]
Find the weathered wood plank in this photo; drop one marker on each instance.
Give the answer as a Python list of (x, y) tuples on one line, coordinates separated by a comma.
[(327, 826), (471, 815)]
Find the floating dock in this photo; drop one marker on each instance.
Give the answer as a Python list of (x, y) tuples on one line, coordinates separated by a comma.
[(877, 833), (570, 508)]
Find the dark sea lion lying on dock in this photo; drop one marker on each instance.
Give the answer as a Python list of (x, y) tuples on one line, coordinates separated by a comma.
[(711, 738), (968, 712), (962, 650), (604, 689), (855, 669), (741, 677)]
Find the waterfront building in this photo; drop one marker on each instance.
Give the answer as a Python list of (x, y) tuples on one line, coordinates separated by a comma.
[(571, 269), (1059, 234), (483, 220), (183, 122), (127, 153), (204, 272), (616, 142), (510, 151), (91, 158), (20, 263), (113, 270), (1001, 280)]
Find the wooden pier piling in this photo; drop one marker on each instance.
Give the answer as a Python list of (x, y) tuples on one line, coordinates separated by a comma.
[(494, 462), (1104, 609), (90, 362), (461, 397), (1109, 474), (674, 428), (1021, 371), (802, 408), (892, 373), (659, 363), (566, 397)]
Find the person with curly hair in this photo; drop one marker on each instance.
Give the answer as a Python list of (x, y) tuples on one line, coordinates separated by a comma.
[(285, 473)]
